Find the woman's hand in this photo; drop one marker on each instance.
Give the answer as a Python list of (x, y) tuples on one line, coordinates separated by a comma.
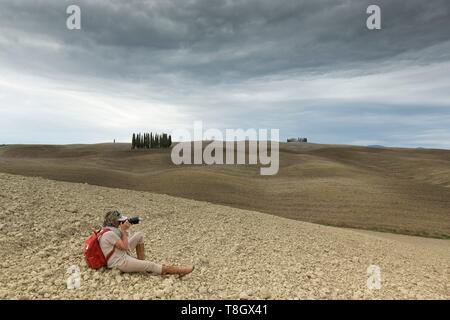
[(124, 226)]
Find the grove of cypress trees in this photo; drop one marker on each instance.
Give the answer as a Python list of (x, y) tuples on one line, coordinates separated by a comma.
[(150, 140)]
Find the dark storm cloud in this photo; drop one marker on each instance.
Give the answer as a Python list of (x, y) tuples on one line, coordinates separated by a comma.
[(216, 40)]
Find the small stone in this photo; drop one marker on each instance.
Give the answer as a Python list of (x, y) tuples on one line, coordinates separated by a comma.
[(319, 274), (168, 290), (159, 294), (115, 271), (168, 282), (244, 296), (265, 294)]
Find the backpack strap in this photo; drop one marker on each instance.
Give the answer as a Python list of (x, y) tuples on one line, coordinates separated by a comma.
[(110, 254), (114, 248), (103, 232)]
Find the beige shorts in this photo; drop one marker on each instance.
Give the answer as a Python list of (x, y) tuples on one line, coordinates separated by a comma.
[(131, 264)]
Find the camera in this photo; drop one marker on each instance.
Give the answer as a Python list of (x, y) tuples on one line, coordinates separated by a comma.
[(133, 220)]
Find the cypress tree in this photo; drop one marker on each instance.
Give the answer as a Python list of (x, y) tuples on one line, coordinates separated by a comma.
[(133, 142), (152, 143), (164, 140), (170, 141)]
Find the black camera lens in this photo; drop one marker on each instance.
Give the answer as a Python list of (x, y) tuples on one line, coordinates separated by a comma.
[(134, 220)]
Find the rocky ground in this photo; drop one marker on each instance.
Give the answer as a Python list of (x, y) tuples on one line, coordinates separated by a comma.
[(238, 254)]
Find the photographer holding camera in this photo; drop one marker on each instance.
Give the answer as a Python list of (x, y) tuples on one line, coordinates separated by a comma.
[(117, 246)]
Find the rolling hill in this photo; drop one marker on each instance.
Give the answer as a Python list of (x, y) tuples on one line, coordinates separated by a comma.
[(396, 190)]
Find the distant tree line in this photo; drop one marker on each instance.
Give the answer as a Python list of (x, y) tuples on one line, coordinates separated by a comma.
[(149, 140)]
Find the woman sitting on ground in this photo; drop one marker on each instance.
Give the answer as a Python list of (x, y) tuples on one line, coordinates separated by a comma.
[(116, 246)]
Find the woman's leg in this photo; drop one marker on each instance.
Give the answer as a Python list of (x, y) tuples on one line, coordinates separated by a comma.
[(140, 251), (134, 265), (136, 241)]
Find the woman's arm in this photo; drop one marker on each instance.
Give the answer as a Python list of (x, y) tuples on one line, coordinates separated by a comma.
[(122, 244)]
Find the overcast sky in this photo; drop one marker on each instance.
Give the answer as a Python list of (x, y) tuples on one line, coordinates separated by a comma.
[(308, 67)]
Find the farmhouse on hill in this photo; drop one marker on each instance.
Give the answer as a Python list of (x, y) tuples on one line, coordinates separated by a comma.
[(297, 140)]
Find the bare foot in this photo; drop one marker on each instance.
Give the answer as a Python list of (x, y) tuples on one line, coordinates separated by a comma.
[(186, 270), (182, 271)]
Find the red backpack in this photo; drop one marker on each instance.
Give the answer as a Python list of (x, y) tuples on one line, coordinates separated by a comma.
[(93, 254)]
